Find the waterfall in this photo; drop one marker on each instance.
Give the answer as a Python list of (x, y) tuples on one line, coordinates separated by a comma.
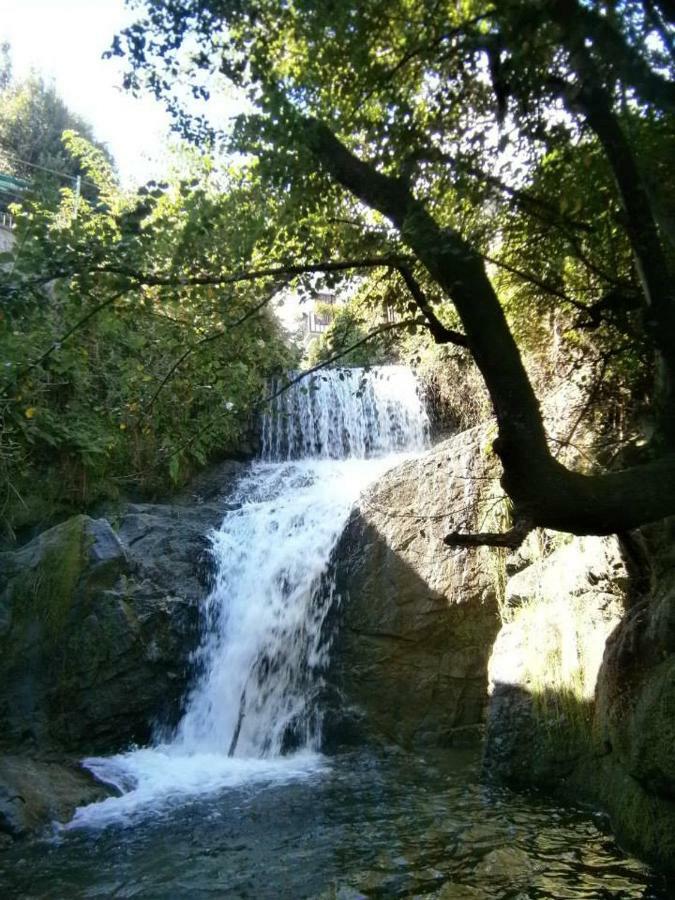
[(346, 413), (253, 711)]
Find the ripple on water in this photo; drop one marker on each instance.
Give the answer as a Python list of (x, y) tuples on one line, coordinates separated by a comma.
[(367, 825)]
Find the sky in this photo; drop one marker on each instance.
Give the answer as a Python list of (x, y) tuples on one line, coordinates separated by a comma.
[(64, 41)]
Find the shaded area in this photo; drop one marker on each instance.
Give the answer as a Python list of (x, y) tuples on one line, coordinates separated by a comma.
[(415, 623)]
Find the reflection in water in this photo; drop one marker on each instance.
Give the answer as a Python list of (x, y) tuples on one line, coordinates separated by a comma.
[(391, 825)]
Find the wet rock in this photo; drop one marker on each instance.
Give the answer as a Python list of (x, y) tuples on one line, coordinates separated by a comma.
[(417, 620), (457, 891), (509, 865), (34, 793), (97, 625)]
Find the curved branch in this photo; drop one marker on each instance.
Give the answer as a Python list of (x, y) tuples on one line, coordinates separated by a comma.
[(68, 334), (382, 329), (150, 279), (543, 491), (441, 334), (389, 326)]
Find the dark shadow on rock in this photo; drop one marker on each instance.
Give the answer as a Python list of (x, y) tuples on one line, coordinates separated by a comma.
[(413, 623)]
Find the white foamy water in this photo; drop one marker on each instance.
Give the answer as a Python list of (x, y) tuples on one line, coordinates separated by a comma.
[(254, 713)]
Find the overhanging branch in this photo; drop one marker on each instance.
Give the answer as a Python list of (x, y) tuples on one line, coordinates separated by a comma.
[(150, 279), (440, 333), (511, 539), (199, 345)]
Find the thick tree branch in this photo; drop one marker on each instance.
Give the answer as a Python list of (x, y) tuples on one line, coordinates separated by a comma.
[(154, 279), (543, 491), (594, 102), (460, 272), (150, 279), (511, 539), (582, 22)]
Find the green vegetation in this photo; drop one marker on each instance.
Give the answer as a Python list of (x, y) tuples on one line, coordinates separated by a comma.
[(32, 120), (46, 592), (501, 168), (122, 371), (493, 178)]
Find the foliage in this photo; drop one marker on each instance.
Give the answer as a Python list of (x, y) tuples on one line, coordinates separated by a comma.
[(349, 324), (122, 368), (455, 135), (32, 120)]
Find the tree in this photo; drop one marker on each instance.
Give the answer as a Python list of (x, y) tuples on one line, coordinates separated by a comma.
[(121, 370), (399, 107), (33, 119)]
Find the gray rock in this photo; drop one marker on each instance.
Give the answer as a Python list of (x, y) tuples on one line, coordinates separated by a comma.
[(582, 685), (417, 620), (34, 793), (97, 626)]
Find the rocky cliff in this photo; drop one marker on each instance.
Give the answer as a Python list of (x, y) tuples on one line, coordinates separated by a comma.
[(582, 684)]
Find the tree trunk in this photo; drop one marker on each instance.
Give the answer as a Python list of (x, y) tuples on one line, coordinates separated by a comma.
[(544, 492)]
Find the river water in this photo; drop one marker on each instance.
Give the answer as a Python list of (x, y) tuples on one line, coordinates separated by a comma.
[(239, 801)]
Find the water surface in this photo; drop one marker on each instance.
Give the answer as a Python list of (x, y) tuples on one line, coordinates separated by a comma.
[(362, 825)]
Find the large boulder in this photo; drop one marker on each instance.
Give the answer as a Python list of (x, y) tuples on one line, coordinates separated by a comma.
[(582, 685), (634, 716), (97, 624), (416, 621), (543, 670)]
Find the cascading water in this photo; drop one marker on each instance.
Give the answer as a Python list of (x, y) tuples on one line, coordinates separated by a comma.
[(263, 649), (376, 823)]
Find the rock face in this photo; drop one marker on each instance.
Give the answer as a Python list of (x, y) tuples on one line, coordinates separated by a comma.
[(634, 721), (545, 662), (97, 625), (582, 684), (416, 622), (34, 792)]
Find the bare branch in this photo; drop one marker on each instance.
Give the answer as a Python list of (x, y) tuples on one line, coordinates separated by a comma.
[(289, 269), (382, 329), (207, 340), (511, 539), (441, 334), (71, 331)]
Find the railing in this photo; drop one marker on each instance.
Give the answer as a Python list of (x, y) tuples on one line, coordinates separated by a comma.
[(6, 221)]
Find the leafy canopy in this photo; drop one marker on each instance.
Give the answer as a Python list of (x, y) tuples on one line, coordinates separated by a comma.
[(122, 368), (507, 147)]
